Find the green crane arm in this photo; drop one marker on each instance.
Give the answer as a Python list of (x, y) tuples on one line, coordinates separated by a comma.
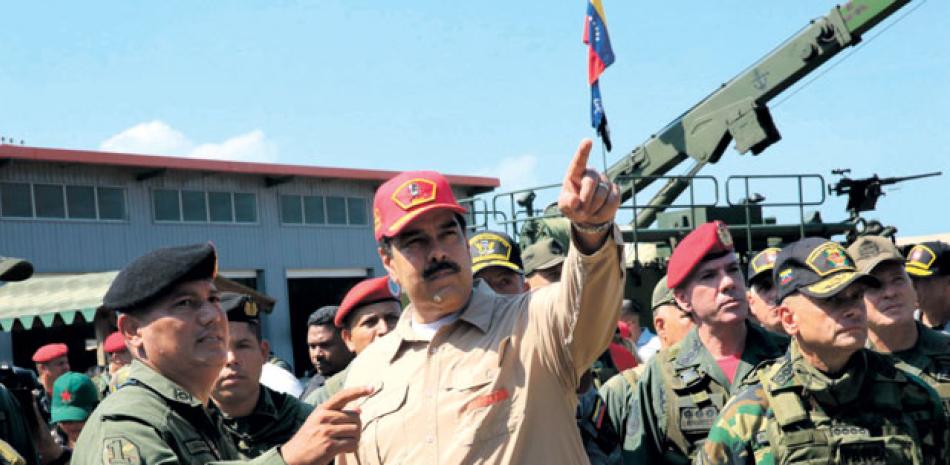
[(737, 110)]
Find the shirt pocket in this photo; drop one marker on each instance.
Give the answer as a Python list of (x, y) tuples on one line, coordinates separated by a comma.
[(379, 432), (483, 401)]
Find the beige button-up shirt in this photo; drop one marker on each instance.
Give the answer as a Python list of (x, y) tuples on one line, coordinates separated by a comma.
[(497, 386)]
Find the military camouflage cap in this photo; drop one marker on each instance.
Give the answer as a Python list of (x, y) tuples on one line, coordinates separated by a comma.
[(15, 269), (816, 267), (662, 295), (870, 251), (491, 248), (544, 254)]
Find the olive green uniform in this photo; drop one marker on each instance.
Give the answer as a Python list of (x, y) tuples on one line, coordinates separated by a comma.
[(682, 392), (929, 360), (331, 386), (151, 420), (275, 418), (788, 412), (617, 394)]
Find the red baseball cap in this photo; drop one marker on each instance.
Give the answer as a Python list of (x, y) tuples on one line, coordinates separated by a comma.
[(114, 343), (366, 292), (49, 352), (710, 240), (408, 195)]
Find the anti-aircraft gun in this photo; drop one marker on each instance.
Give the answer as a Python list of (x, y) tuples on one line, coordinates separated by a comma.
[(863, 193), (736, 111)]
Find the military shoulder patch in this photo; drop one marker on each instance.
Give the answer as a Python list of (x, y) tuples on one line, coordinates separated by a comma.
[(120, 451)]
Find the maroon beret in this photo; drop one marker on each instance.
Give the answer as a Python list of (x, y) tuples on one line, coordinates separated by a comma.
[(364, 293), (708, 240), (49, 352), (114, 343)]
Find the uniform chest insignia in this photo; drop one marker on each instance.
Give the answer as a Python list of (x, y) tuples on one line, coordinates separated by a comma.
[(698, 419)]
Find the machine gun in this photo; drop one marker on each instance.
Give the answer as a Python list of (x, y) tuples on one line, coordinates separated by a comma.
[(863, 193)]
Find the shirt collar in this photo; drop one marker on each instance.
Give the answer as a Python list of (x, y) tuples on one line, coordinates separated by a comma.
[(165, 387)]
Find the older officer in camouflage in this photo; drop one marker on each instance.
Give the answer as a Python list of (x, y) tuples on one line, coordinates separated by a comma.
[(471, 376), (256, 417), (684, 387), (829, 400), (169, 313), (892, 330)]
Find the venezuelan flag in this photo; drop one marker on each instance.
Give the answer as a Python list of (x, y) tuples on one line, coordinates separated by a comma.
[(600, 55)]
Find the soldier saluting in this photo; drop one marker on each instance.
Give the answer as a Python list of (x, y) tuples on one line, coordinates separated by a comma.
[(829, 400), (170, 316)]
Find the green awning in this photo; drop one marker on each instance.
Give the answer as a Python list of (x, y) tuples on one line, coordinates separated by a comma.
[(44, 297)]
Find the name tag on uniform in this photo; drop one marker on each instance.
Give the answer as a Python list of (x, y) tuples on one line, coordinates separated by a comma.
[(698, 419)]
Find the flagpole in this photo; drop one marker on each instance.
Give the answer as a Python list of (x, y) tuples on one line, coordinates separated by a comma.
[(603, 155)]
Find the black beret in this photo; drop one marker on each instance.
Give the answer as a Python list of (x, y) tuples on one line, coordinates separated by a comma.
[(155, 273), (239, 307)]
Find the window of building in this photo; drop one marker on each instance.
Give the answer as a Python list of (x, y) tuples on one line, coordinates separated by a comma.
[(49, 201), (81, 202), (202, 207), (315, 209), (245, 208), (57, 201)]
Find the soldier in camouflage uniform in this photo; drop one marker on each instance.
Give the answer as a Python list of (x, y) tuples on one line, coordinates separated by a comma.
[(169, 313), (671, 324), (892, 330), (829, 400), (256, 417), (684, 387)]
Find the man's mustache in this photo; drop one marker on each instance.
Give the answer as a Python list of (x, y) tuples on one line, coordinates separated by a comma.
[(437, 267)]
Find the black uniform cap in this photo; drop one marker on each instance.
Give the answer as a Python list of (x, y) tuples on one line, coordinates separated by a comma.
[(155, 273), (239, 307)]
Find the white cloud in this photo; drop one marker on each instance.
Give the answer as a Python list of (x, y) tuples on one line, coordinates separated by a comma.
[(515, 172), (158, 138)]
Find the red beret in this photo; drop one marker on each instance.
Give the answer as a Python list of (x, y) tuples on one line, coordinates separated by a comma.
[(711, 238), (364, 293), (114, 343), (49, 352)]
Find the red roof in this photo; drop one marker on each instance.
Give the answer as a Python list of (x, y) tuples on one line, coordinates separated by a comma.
[(90, 157)]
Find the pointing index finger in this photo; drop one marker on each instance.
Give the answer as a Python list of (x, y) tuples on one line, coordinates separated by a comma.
[(344, 397), (578, 166)]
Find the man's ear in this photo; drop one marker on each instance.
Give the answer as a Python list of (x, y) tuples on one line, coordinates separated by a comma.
[(659, 324), (679, 294), (129, 326), (347, 337), (265, 349), (788, 318)]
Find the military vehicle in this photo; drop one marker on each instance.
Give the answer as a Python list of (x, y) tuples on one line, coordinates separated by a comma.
[(737, 111)]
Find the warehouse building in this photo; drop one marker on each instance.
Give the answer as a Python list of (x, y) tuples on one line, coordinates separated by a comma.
[(300, 234)]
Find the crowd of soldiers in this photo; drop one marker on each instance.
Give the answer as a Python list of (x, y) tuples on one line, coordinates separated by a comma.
[(818, 354)]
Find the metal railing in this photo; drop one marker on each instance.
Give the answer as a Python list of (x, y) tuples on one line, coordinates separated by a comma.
[(748, 202)]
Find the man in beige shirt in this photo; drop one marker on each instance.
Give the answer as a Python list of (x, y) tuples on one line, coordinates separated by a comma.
[(471, 376)]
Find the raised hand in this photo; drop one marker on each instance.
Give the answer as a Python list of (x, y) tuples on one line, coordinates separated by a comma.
[(328, 431), (587, 197)]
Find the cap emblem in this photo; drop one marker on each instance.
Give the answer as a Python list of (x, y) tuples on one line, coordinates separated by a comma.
[(493, 247), (828, 258), (785, 276), (66, 396), (764, 260), (414, 192), (921, 256), (868, 250), (250, 308), (725, 238)]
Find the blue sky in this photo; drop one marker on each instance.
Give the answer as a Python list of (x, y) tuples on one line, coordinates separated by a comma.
[(491, 88)]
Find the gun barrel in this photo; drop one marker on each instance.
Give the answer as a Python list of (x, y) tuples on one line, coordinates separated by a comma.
[(898, 179)]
